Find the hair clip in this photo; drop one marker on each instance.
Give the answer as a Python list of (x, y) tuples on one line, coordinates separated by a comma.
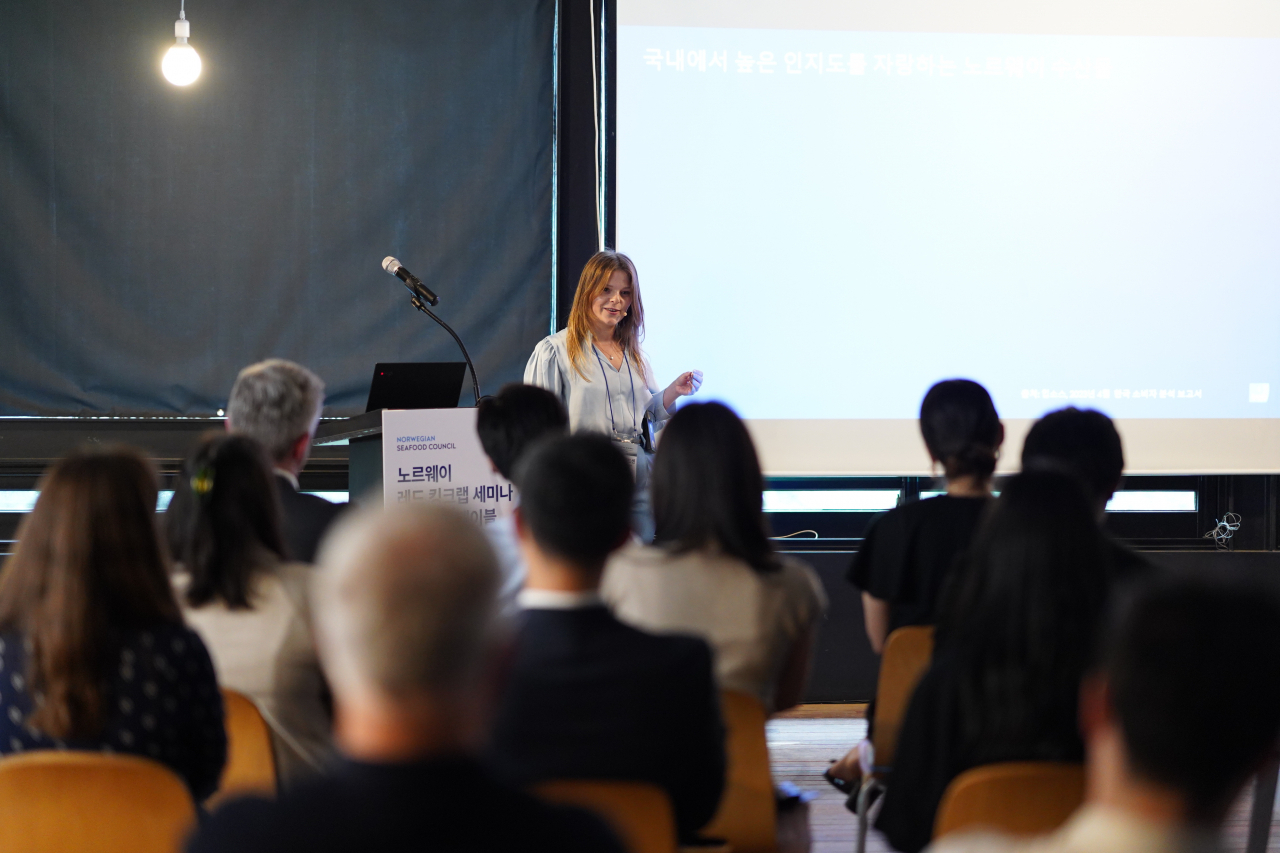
[(202, 481)]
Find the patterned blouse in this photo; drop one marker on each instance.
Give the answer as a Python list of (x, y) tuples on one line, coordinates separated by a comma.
[(164, 705)]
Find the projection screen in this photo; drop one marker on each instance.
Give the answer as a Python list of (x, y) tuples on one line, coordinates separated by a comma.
[(833, 205)]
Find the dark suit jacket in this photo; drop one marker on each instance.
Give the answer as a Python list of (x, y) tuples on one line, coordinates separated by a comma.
[(305, 518), (588, 697), (447, 805)]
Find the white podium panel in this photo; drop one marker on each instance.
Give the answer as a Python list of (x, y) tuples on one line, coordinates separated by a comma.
[(435, 455)]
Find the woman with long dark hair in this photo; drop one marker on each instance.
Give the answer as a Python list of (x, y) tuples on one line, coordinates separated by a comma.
[(1012, 644), (93, 652), (245, 599), (712, 570), (597, 369)]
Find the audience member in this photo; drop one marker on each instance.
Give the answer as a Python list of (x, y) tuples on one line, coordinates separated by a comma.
[(277, 403), (406, 621), (587, 696), (246, 602), (93, 652), (1010, 651), (908, 554), (508, 424), (712, 571), (1086, 444), (1184, 709)]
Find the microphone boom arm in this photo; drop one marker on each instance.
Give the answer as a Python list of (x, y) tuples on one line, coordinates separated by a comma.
[(421, 306)]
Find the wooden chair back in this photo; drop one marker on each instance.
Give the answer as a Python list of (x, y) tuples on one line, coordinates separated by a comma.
[(639, 812), (90, 802), (747, 817), (1015, 797), (251, 763), (907, 653)]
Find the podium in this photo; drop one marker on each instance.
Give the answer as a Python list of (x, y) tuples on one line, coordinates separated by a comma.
[(420, 455)]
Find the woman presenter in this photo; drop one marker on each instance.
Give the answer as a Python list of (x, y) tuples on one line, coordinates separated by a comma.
[(596, 368)]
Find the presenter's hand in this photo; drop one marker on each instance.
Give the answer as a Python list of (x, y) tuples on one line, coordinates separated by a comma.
[(685, 384)]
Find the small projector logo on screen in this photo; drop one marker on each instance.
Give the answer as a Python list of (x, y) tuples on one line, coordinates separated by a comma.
[(1259, 392)]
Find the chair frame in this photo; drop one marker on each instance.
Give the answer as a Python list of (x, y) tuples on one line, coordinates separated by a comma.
[(873, 783), (747, 813)]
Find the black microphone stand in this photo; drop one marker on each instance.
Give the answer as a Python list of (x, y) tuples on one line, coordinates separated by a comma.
[(422, 306)]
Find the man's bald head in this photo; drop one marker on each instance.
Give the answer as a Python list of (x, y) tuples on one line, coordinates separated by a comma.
[(405, 602)]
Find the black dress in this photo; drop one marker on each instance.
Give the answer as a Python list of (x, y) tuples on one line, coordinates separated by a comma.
[(909, 551), (932, 750)]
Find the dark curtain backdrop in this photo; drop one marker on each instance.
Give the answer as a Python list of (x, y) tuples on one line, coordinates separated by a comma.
[(155, 239)]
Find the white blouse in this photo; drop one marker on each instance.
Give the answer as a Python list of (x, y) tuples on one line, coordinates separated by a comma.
[(268, 653), (610, 400), (751, 620)]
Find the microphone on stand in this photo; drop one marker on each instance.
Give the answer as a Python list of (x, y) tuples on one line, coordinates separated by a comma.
[(422, 296), (410, 280)]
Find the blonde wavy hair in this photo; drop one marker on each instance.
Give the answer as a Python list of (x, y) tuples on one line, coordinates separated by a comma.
[(630, 330)]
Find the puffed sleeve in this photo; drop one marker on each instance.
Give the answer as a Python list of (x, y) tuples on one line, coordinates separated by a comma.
[(656, 411), (544, 370)]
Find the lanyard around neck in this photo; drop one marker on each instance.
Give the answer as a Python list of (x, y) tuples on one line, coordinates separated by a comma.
[(609, 396)]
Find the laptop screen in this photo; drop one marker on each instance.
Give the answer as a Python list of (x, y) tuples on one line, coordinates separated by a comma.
[(416, 385)]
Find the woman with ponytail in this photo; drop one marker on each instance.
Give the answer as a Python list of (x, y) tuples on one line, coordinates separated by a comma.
[(909, 552), (246, 600)]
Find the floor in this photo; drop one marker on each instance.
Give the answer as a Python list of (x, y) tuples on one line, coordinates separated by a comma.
[(802, 741)]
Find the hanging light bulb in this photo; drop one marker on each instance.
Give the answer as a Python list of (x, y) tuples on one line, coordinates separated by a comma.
[(181, 65)]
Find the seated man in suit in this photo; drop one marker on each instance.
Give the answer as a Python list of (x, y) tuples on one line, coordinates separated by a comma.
[(1185, 709), (588, 697), (278, 403), (508, 424), (409, 637), (1085, 443)]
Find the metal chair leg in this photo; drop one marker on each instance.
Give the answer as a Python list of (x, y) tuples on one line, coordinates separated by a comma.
[(862, 819), (866, 794), (1264, 799)]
